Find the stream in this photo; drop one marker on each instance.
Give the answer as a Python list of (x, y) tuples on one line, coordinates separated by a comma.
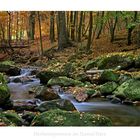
[(121, 115)]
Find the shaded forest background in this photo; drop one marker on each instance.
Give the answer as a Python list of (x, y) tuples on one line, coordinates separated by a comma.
[(96, 32)]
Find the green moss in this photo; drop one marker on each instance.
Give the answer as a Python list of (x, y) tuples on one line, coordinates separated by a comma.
[(2, 79), (90, 92), (111, 61), (5, 121), (10, 63), (55, 104), (108, 88), (45, 76), (4, 93), (90, 64), (12, 117), (109, 75), (64, 81), (68, 118), (129, 89)]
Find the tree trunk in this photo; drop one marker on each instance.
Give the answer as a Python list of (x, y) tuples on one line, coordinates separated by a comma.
[(32, 25), (52, 32), (131, 29), (68, 24), (17, 29), (9, 30), (40, 33), (71, 25), (113, 27), (90, 32), (74, 26), (101, 26), (80, 27), (63, 40)]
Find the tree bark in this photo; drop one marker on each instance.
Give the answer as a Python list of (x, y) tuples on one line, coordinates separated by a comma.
[(90, 32), (129, 42), (9, 30), (112, 27), (52, 32), (63, 40), (40, 33), (80, 27), (101, 26), (32, 25)]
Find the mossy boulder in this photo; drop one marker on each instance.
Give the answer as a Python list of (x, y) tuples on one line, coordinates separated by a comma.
[(109, 75), (67, 118), (12, 117), (108, 88), (4, 91), (90, 91), (45, 76), (64, 81), (124, 77), (111, 61), (2, 79), (137, 62), (9, 68), (44, 93), (55, 104), (129, 89)]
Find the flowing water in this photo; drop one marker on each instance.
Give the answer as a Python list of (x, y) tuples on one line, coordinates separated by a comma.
[(121, 115)]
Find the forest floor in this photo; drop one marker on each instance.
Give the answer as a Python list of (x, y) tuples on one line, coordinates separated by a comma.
[(100, 47)]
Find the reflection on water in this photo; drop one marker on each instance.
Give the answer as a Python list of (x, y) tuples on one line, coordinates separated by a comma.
[(121, 115), (20, 90)]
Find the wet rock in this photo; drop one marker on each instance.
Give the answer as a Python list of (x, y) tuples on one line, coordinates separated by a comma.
[(28, 116), (17, 80), (124, 61), (9, 68), (20, 105), (115, 100), (13, 71), (129, 89), (110, 97), (24, 79), (107, 88), (109, 75), (44, 93), (45, 76), (12, 117), (81, 97), (67, 118), (64, 81), (136, 103), (55, 104), (127, 102)]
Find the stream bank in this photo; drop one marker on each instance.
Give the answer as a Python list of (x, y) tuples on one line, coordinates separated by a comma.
[(121, 115)]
